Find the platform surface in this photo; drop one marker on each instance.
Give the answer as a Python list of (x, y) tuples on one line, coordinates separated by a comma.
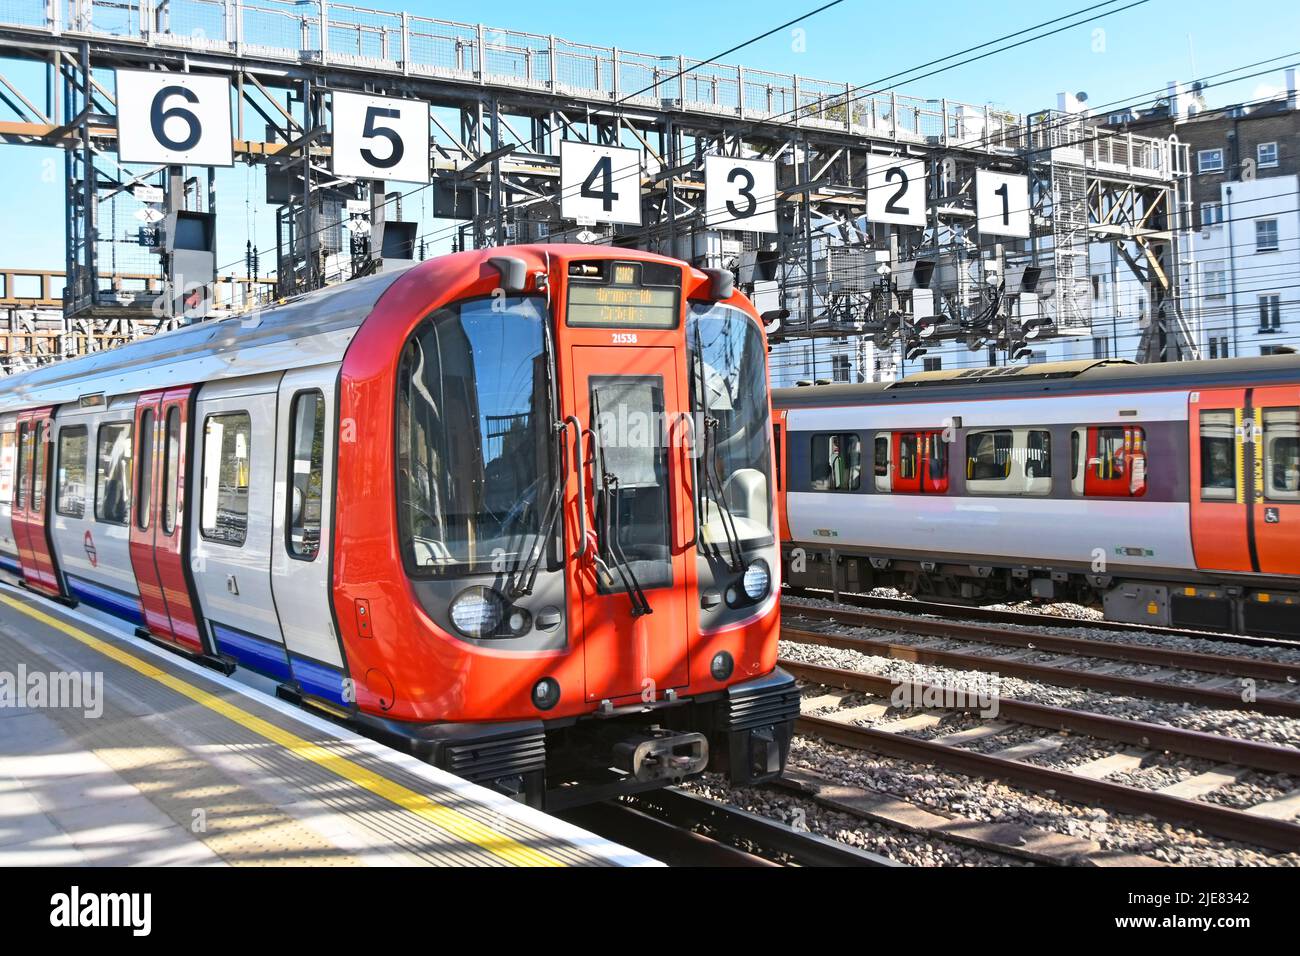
[(172, 763)]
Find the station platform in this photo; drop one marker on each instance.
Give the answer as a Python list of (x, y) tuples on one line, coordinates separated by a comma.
[(172, 763)]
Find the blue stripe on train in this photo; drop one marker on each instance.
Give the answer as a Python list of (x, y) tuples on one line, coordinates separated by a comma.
[(319, 680), (107, 599), (255, 653), (10, 564)]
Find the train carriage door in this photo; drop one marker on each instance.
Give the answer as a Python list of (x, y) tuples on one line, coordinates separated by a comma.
[(635, 496), (30, 509), (1276, 491), (300, 551), (230, 540), (1219, 427)]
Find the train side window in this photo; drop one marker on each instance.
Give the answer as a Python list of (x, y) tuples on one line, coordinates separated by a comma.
[(776, 446), (1116, 461), (936, 456), (113, 473), (171, 465), (70, 489), (24, 459), (144, 473), (306, 473), (40, 456), (988, 455), (909, 445), (224, 509), (1218, 456), (8, 456), (1282, 454), (882, 462), (836, 462)]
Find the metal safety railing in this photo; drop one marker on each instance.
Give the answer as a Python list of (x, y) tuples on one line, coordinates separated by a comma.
[(324, 32)]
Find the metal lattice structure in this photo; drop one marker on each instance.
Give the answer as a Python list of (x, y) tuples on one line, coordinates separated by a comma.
[(502, 101)]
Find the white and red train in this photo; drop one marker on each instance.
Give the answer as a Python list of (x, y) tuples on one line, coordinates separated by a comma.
[(508, 509), (1168, 493)]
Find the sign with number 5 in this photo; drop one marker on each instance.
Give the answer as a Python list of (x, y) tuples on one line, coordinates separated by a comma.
[(377, 137), (175, 118), (739, 194)]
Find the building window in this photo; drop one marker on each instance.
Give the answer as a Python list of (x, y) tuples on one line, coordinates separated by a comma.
[(70, 492), (840, 368), (1215, 280), (307, 473), (1276, 350), (933, 364), (1270, 312), (1211, 214), (1209, 161), (1266, 155), (1266, 235), (113, 473), (224, 510), (1219, 347), (836, 463), (1101, 347)]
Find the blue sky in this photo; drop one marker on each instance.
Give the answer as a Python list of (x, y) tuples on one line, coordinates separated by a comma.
[(858, 41)]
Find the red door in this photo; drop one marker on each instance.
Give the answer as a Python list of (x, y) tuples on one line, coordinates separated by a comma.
[(1275, 503), (159, 551), (921, 463), (633, 490), (31, 504)]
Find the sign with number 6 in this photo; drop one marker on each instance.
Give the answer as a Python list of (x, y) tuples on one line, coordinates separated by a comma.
[(377, 137), (174, 118), (895, 190), (739, 194)]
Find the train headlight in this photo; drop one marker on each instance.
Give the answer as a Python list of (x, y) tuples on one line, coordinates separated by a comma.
[(477, 612), (758, 578), (721, 666)]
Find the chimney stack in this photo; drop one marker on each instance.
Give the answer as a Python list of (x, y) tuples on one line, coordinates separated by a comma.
[(1176, 106), (1291, 101)]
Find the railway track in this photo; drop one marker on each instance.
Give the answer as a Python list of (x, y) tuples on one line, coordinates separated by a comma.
[(939, 609), (666, 825), (1221, 687), (1268, 824)]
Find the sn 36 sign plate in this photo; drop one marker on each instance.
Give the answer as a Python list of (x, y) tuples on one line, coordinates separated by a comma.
[(174, 118)]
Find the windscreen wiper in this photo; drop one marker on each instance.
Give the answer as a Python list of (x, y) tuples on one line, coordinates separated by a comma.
[(635, 593), (527, 576)]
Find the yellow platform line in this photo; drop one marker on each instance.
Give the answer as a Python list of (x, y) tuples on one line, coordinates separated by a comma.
[(444, 818)]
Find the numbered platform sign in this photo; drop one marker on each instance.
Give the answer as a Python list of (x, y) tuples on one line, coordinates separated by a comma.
[(376, 137), (1002, 204), (600, 183), (896, 190), (174, 118), (739, 194)]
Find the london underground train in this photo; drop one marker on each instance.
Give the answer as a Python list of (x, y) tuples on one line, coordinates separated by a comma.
[(1167, 494), (510, 510)]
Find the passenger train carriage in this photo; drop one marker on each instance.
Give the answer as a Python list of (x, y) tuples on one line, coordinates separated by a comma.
[(1168, 493), (511, 511)]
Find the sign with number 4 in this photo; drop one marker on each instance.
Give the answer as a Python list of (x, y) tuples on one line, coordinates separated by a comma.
[(174, 118), (377, 137), (600, 183)]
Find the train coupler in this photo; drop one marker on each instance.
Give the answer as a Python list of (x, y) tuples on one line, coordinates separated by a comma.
[(658, 754)]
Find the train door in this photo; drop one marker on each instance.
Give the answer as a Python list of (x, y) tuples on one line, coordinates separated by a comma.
[(920, 462), (300, 552), (159, 550), (1275, 521), (235, 452), (30, 508), (635, 500)]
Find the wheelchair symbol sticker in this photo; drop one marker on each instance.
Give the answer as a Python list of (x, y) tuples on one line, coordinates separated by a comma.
[(1272, 516)]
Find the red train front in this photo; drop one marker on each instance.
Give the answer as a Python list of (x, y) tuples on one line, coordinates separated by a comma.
[(511, 510)]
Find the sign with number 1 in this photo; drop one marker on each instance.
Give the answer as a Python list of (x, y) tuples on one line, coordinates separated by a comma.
[(1002, 204)]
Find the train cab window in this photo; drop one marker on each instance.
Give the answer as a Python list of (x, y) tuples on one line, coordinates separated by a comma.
[(144, 473), (70, 489), (223, 511), (1111, 461), (1218, 456), (171, 467), (1282, 454), (882, 463), (836, 462), (306, 473), (113, 473), (24, 459), (40, 456)]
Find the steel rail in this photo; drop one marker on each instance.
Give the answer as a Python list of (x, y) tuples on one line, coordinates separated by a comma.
[(1210, 817), (1046, 673)]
